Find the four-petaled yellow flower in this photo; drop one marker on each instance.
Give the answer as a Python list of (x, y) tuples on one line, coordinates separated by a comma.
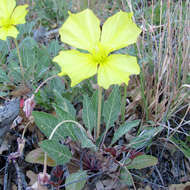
[(82, 30), (10, 15)]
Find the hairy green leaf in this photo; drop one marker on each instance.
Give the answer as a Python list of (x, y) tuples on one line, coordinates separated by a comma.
[(145, 137), (3, 76), (69, 128), (58, 152), (143, 161), (64, 103), (46, 123), (123, 129), (112, 108), (37, 156), (125, 177), (76, 181), (88, 114)]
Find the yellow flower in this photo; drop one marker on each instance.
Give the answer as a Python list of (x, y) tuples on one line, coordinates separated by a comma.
[(10, 15), (82, 30)]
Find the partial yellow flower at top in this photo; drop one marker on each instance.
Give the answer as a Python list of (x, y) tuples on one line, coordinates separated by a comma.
[(82, 30), (10, 16)]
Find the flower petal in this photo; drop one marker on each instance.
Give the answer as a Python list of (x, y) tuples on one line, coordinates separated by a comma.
[(18, 16), (8, 31), (117, 70), (81, 30), (6, 8), (119, 31), (79, 66)]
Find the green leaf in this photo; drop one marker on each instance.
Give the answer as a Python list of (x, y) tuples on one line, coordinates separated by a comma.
[(3, 51), (76, 180), (72, 130), (36, 61), (69, 128), (37, 156), (26, 29), (143, 161), (88, 114), (46, 123), (144, 137), (85, 141), (94, 101), (3, 76), (29, 59), (111, 107), (62, 114), (64, 103), (125, 177), (54, 47), (56, 84), (42, 62), (123, 129), (58, 152), (27, 47)]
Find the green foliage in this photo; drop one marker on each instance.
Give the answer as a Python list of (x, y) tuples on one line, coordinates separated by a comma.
[(64, 104), (125, 177), (45, 97), (76, 181), (37, 156), (85, 141), (123, 129), (88, 114), (46, 123), (58, 152), (37, 66), (3, 76), (26, 29), (142, 161), (49, 11), (139, 162), (112, 107), (3, 51), (69, 128), (65, 111), (145, 137)]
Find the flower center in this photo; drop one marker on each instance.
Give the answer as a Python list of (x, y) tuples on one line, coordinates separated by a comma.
[(6, 22), (99, 54)]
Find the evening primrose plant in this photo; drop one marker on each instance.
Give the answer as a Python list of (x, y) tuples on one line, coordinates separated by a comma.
[(94, 55), (82, 31)]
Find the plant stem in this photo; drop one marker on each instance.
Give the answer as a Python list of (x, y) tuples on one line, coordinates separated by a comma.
[(99, 111), (123, 103), (20, 60), (24, 131), (45, 163)]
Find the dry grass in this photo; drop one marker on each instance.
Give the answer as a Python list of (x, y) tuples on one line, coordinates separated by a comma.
[(165, 61)]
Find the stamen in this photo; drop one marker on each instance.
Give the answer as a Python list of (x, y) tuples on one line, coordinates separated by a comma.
[(99, 54)]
